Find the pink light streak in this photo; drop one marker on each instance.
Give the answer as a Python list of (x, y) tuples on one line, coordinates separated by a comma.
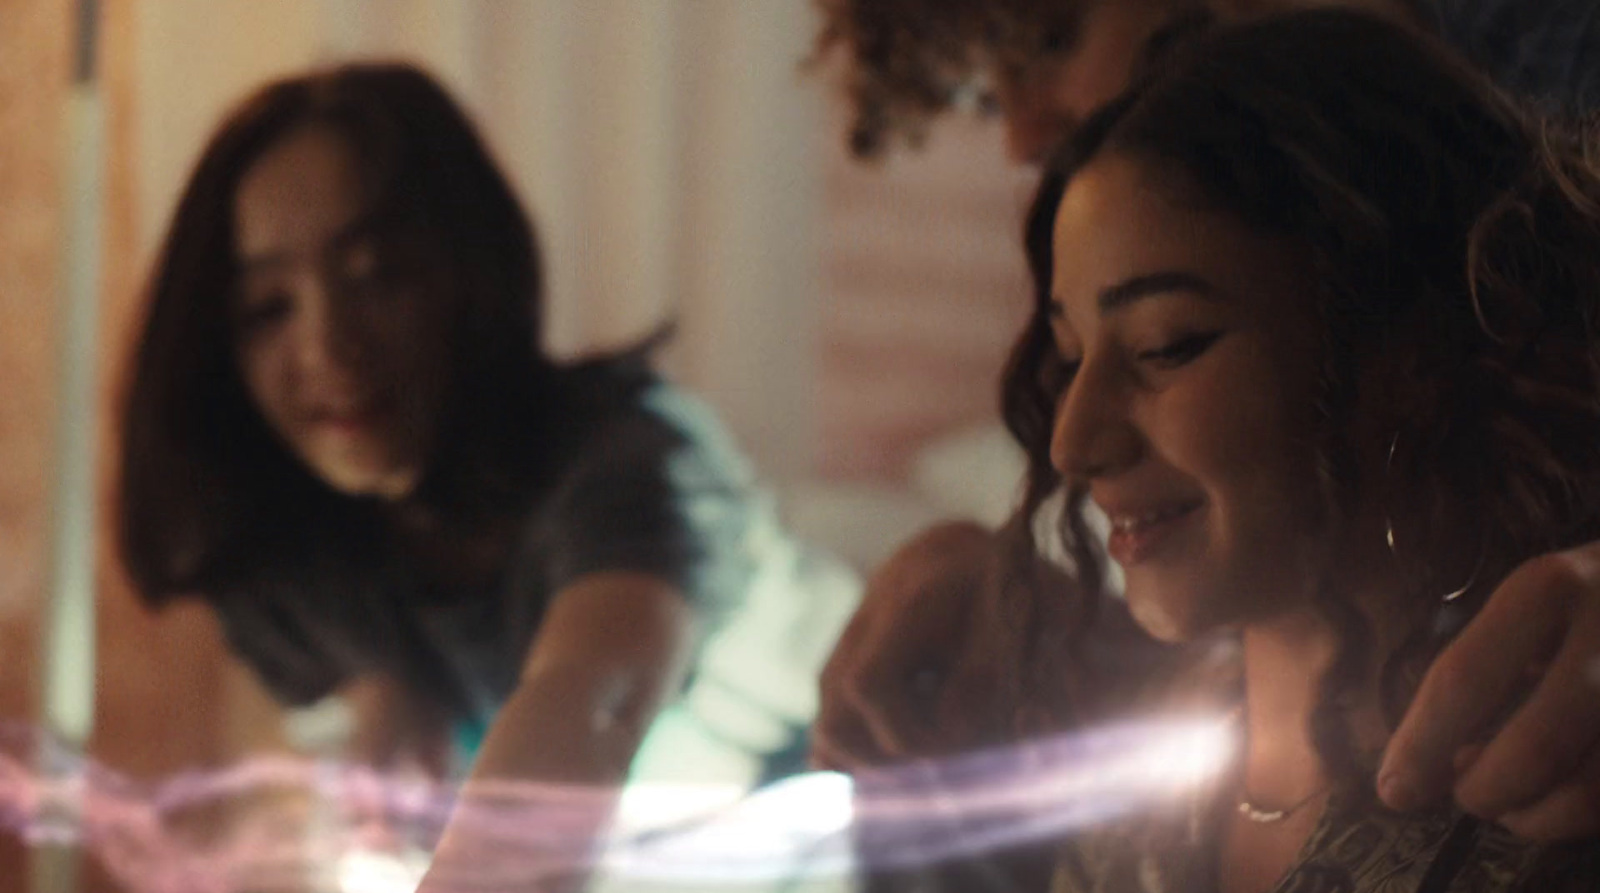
[(279, 824)]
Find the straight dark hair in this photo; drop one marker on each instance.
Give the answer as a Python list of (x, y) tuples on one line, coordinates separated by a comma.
[(1456, 246), (208, 494)]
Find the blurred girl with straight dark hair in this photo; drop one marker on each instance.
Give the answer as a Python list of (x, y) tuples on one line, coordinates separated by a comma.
[(342, 433)]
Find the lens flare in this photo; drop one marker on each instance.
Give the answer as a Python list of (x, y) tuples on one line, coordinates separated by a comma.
[(278, 824)]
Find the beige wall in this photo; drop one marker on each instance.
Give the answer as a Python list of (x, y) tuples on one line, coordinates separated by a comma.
[(926, 287)]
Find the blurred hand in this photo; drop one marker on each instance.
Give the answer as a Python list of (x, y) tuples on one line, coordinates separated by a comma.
[(1539, 773), (916, 671)]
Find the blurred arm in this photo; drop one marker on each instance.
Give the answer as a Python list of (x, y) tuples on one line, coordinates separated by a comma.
[(612, 648)]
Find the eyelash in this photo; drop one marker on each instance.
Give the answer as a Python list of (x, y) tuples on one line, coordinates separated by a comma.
[(1181, 351), (1056, 374), (261, 313), (1059, 372)]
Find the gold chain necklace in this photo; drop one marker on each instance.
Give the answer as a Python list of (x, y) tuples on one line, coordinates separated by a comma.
[(1269, 816), (1273, 816)]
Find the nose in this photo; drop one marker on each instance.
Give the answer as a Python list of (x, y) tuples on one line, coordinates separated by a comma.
[(329, 343), (1094, 437)]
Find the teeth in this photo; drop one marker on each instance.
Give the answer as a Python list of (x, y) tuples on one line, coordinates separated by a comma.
[(1130, 524)]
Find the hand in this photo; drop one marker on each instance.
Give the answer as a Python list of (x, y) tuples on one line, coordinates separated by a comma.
[(911, 676), (1539, 773)]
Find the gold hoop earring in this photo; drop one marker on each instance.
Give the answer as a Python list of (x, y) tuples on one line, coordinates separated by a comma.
[(1388, 469), (1388, 532)]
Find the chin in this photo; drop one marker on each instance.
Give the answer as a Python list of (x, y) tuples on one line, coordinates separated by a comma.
[(1168, 616), (390, 484)]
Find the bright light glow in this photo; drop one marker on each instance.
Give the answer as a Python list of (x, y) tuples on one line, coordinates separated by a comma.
[(798, 826), (364, 832), (364, 871), (649, 807)]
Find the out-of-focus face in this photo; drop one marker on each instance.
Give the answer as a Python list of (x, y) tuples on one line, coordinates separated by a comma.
[(1189, 412), (341, 344), (1042, 103)]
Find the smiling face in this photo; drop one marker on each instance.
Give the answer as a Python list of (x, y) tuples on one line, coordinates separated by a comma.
[(1189, 413), (340, 343)]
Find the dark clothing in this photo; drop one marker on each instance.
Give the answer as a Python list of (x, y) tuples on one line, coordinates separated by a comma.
[(654, 487), (1356, 847), (1546, 51)]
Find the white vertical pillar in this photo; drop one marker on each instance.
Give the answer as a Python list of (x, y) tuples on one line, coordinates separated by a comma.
[(67, 696)]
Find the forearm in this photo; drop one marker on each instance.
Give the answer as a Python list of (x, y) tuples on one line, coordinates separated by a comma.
[(570, 725), (550, 771), (542, 790)]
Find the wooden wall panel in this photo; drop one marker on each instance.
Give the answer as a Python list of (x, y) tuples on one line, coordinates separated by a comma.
[(159, 703), (33, 74)]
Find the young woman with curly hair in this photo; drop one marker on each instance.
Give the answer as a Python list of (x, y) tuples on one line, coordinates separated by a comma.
[(1043, 67), (1317, 329)]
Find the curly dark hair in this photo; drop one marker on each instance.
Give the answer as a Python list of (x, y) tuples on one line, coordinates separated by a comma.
[(1456, 244), (910, 61)]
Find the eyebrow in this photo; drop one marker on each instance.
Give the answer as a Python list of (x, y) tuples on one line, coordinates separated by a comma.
[(1152, 285), (363, 226), (1140, 287)]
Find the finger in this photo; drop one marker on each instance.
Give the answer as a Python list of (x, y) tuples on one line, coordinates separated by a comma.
[(1465, 758), (975, 706), (1569, 812), (839, 736), (846, 654), (1547, 739), (896, 709), (914, 622), (842, 741), (834, 753), (970, 713), (1472, 679), (898, 695)]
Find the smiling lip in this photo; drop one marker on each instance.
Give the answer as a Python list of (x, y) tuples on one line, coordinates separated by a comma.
[(1136, 535), (350, 421)]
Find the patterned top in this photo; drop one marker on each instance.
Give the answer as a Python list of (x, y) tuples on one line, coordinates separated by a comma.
[(1357, 847)]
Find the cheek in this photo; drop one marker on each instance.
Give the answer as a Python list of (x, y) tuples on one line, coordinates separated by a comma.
[(408, 330), (266, 381), (414, 343), (1271, 519), (1246, 438)]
